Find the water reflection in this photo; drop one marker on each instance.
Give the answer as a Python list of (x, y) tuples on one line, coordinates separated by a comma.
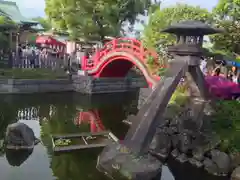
[(30, 113), (90, 117), (64, 114), (60, 114), (17, 157), (72, 119)]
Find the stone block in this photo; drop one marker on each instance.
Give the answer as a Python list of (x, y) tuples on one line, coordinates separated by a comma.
[(222, 160), (210, 166), (117, 162)]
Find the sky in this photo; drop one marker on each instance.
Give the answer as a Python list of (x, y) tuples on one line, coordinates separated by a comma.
[(33, 8), (209, 4)]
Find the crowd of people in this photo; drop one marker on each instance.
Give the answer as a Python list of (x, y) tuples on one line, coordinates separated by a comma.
[(233, 74), (34, 56), (27, 50)]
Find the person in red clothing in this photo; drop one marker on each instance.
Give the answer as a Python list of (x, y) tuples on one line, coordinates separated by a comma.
[(216, 71)]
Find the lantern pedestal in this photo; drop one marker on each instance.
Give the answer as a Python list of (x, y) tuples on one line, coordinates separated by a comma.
[(120, 164)]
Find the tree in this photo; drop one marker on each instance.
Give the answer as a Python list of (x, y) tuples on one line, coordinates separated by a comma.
[(43, 22), (94, 19), (162, 18), (6, 23), (227, 16)]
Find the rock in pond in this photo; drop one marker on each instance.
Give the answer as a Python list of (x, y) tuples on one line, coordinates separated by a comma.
[(222, 160), (235, 160), (236, 174), (20, 136), (210, 166)]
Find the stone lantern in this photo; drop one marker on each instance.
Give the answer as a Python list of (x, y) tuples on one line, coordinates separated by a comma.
[(130, 159), (189, 38)]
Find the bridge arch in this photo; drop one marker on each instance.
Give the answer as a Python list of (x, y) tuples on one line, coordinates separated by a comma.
[(117, 64)]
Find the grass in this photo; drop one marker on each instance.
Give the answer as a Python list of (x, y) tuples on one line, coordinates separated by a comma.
[(180, 95), (19, 73), (178, 100)]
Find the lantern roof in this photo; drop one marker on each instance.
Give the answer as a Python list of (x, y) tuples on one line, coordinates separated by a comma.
[(191, 28)]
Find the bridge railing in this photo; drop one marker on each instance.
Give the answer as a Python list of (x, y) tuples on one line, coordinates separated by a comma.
[(129, 45)]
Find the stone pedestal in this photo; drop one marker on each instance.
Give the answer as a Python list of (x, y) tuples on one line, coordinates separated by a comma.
[(117, 162)]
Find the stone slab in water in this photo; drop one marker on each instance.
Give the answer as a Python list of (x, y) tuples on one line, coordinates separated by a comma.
[(117, 162)]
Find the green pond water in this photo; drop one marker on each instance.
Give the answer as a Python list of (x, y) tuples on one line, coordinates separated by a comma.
[(64, 113)]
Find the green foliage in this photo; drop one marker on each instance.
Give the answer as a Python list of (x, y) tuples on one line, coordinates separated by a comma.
[(93, 19), (178, 100), (180, 95), (161, 71), (6, 24), (223, 53), (226, 123), (226, 15), (162, 18), (62, 142), (237, 59), (150, 60), (6, 21)]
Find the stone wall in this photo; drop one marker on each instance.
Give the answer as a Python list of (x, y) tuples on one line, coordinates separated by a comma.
[(88, 85), (21, 86), (81, 84)]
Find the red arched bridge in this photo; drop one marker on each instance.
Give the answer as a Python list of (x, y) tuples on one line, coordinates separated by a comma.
[(117, 57)]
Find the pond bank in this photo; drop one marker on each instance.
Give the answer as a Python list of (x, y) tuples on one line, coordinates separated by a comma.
[(81, 84)]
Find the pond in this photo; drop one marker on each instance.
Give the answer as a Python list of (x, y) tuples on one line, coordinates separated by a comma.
[(64, 113)]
